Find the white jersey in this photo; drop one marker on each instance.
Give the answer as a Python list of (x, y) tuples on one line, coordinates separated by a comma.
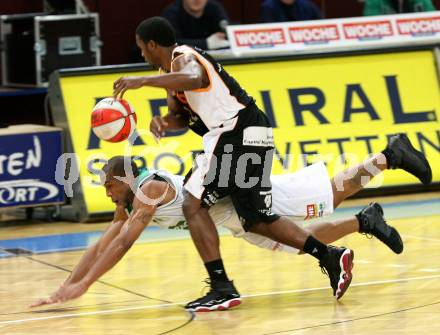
[(222, 99), (170, 215), (304, 194)]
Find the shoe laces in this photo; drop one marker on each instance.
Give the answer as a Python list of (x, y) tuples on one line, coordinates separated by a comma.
[(368, 235), (364, 222), (207, 282), (323, 269)]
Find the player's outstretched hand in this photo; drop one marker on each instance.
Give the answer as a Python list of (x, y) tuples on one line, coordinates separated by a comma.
[(47, 301), (41, 302), (158, 126), (64, 293), (126, 83)]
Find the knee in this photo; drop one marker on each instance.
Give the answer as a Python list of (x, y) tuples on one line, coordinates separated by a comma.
[(190, 207), (260, 229)]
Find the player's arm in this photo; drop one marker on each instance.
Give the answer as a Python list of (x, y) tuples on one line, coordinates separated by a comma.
[(90, 256), (188, 74), (176, 119), (93, 252), (117, 248)]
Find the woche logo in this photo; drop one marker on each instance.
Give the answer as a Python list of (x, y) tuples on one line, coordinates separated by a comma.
[(260, 37), (372, 30), (314, 34), (419, 27)]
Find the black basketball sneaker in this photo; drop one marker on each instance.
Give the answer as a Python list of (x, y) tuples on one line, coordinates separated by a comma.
[(337, 264), (401, 154), (221, 296), (372, 222)]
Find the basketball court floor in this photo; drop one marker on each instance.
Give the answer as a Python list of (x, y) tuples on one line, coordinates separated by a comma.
[(282, 293)]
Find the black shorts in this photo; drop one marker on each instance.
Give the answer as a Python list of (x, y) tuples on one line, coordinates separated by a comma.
[(237, 162)]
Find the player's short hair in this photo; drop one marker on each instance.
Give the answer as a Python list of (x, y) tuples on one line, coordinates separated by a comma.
[(115, 167), (156, 29)]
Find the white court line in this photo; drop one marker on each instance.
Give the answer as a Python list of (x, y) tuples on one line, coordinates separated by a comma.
[(87, 313), (182, 303)]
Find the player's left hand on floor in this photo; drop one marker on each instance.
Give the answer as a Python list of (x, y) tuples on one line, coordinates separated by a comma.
[(64, 293), (42, 302), (46, 301)]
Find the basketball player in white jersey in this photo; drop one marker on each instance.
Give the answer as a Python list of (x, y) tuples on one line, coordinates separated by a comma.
[(307, 193), (237, 132)]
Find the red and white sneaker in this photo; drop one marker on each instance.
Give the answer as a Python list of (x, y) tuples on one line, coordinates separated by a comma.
[(337, 264), (222, 296)]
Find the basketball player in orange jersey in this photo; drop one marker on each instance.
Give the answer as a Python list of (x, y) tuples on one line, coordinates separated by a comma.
[(238, 153)]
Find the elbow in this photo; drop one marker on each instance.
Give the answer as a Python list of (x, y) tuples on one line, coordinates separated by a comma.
[(126, 244), (194, 82), (123, 245), (197, 81), (97, 250)]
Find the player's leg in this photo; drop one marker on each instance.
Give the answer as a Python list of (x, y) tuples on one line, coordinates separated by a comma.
[(267, 243), (308, 193), (337, 262), (225, 161), (202, 229), (398, 154), (253, 205), (370, 220), (352, 180), (331, 231), (223, 294), (328, 232)]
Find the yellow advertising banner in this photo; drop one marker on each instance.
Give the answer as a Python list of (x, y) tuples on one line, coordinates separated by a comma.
[(338, 109)]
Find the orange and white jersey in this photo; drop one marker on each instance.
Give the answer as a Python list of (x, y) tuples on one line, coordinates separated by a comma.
[(221, 100)]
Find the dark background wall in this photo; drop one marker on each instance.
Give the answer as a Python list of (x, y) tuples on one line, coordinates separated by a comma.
[(118, 22), (120, 18), (20, 6)]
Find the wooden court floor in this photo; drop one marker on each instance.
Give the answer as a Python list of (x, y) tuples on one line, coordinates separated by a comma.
[(283, 293)]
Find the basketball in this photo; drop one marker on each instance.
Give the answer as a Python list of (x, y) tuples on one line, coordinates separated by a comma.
[(113, 120)]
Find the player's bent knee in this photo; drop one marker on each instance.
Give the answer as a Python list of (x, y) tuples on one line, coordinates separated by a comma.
[(259, 228), (190, 206)]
